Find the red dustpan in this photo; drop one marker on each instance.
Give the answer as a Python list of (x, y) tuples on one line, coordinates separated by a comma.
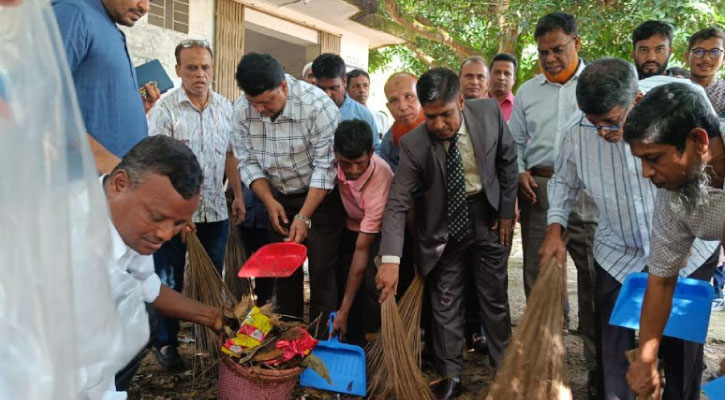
[(275, 260)]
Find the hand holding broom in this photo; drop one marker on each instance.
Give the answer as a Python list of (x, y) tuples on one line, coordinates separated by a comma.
[(554, 246), (643, 377)]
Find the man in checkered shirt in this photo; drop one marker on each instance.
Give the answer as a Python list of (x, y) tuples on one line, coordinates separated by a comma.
[(678, 138), (282, 134)]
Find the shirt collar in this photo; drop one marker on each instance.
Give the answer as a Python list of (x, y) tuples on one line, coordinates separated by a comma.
[(579, 69), (98, 5), (119, 249), (358, 183), (509, 98), (182, 97)]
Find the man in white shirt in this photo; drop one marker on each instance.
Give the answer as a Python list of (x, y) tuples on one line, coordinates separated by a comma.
[(152, 194), (201, 119)]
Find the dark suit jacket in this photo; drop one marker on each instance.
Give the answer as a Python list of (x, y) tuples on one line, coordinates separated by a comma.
[(423, 167)]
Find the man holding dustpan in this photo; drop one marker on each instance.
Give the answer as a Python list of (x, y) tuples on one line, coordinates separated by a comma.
[(679, 140), (463, 161), (594, 159)]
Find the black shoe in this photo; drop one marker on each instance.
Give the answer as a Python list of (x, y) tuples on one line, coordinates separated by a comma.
[(447, 389), (169, 357)]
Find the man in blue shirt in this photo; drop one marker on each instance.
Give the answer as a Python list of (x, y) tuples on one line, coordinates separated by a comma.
[(330, 75), (113, 111)]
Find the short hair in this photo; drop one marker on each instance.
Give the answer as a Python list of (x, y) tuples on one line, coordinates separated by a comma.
[(329, 66), (472, 59), (668, 113), (605, 84), (438, 85), (353, 138), (647, 29), (354, 74), (167, 157), (554, 21), (677, 71), (396, 75), (704, 34), (190, 44), (505, 57), (257, 73)]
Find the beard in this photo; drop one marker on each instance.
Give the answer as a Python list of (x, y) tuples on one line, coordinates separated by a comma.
[(644, 74), (692, 194)]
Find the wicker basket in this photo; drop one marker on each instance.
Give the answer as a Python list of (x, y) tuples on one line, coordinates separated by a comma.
[(253, 383)]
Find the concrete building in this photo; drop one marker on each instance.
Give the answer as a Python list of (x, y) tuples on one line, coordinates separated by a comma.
[(293, 31)]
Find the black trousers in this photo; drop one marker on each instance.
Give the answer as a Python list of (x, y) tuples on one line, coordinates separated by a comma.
[(682, 359), (481, 251), (323, 242)]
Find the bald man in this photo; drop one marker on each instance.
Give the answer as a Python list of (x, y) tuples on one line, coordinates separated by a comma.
[(406, 111)]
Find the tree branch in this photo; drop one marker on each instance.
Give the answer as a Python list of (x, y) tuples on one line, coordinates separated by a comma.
[(428, 60)]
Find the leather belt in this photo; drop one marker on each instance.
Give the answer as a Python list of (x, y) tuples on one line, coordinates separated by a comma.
[(541, 172)]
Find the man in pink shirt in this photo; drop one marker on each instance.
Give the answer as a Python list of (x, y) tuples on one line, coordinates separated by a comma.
[(363, 180), (503, 77)]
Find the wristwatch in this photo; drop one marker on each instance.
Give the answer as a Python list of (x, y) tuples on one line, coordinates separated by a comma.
[(307, 221)]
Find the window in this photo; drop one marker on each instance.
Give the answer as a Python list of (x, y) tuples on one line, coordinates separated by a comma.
[(170, 14)]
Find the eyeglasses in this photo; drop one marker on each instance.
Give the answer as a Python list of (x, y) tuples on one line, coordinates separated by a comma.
[(605, 128), (557, 51), (700, 52)]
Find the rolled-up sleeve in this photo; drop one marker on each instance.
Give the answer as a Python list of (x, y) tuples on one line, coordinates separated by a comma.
[(241, 138), (564, 186), (671, 240), (322, 134)]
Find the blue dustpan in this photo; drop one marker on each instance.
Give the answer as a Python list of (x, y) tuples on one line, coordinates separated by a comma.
[(690, 313), (346, 364), (715, 389)]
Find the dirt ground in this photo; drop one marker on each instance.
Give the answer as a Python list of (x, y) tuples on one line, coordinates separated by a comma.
[(153, 382)]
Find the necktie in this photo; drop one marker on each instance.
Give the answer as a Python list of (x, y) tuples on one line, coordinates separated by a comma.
[(456, 193)]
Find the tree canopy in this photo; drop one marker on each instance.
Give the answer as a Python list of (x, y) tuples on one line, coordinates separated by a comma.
[(444, 32)]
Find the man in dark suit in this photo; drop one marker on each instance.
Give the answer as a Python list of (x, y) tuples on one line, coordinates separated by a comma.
[(463, 161)]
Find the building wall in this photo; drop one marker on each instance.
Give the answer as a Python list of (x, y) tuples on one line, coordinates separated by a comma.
[(147, 42)]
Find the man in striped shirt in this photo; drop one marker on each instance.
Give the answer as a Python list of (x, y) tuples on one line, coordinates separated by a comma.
[(603, 166), (282, 134)]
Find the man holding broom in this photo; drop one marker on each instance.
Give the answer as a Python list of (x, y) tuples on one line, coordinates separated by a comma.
[(463, 162), (199, 118), (151, 195), (594, 159), (677, 136)]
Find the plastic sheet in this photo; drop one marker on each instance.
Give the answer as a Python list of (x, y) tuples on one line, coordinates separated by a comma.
[(64, 328)]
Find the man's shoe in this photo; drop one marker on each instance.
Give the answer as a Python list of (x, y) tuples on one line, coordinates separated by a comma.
[(718, 305), (448, 389), (169, 357)]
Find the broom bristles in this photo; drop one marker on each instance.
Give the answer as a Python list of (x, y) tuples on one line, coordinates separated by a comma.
[(380, 382), (533, 365), (234, 257), (204, 284)]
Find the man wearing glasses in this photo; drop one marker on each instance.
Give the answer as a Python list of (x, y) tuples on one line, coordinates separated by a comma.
[(594, 159), (705, 56), (542, 107), (201, 119)]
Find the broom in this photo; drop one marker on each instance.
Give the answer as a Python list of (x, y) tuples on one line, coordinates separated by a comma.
[(234, 257), (204, 284), (408, 313), (533, 365)]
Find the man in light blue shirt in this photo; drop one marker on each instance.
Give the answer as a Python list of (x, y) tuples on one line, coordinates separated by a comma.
[(603, 166), (542, 107), (113, 111), (329, 70)]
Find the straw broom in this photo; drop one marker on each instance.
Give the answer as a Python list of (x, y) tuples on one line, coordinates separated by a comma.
[(533, 365), (234, 257), (400, 343), (204, 284)]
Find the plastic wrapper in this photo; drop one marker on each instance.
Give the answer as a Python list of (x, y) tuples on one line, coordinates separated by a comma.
[(301, 345), (64, 327)]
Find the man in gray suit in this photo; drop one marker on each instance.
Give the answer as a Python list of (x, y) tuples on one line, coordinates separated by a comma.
[(463, 161)]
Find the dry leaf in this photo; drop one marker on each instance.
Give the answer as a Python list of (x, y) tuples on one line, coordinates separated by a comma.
[(316, 364), (267, 354)]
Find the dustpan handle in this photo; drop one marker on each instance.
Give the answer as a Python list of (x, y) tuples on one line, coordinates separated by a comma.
[(333, 339)]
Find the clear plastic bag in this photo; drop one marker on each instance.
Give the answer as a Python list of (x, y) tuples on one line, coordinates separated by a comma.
[(64, 328)]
